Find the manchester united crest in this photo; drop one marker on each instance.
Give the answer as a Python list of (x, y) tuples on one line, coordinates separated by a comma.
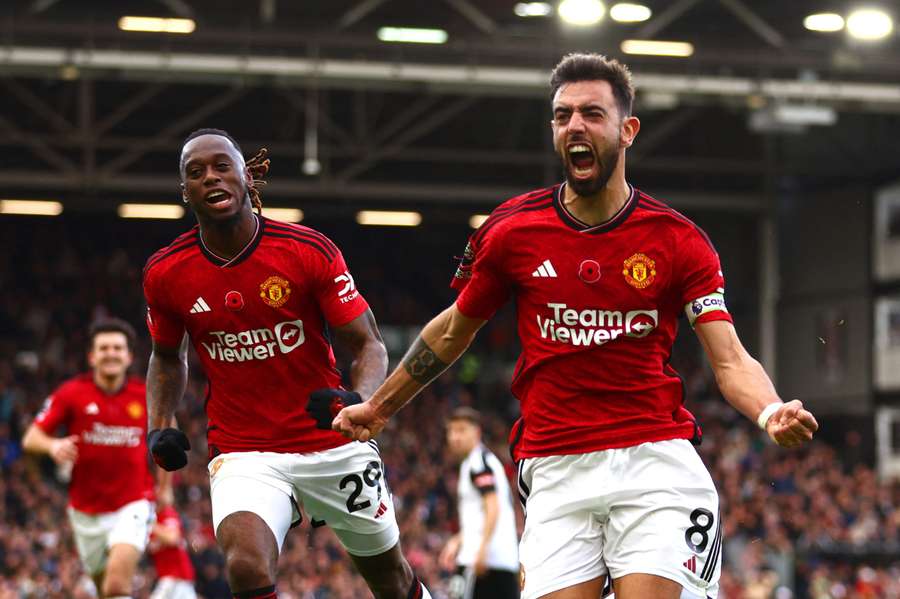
[(639, 271), (135, 410), (275, 291)]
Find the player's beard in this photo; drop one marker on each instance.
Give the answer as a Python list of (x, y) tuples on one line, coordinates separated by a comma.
[(589, 187)]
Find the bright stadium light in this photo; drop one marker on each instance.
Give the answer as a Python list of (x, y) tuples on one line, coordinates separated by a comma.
[(824, 21), (629, 13), (532, 9), (412, 35), (388, 218), (657, 48), (869, 24), (581, 12), (157, 25), (161, 211), (31, 207), (477, 220), (290, 215)]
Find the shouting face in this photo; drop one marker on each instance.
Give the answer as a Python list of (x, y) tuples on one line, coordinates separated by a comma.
[(588, 134)]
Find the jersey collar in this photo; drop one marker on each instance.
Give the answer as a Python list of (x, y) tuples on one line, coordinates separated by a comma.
[(609, 224), (241, 255)]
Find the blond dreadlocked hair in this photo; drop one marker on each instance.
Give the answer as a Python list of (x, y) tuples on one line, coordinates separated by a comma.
[(258, 166)]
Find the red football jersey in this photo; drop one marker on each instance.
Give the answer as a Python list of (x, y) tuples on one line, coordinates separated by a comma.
[(257, 322), (597, 310), (112, 467), (173, 560)]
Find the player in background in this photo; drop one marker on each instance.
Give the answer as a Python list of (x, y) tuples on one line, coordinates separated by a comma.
[(255, 297), (485, 551), (168, 547), (111, 489), (600, 273)]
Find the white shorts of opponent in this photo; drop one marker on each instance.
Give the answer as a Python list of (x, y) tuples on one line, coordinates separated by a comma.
[(173, 588), (96, 533), (650, 509), (342, 487)]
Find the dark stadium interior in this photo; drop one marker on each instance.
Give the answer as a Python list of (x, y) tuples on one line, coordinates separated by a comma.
[(791, 209)]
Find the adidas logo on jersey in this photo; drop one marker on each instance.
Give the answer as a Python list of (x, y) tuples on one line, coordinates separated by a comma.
[(92, 409), (691, 564), (545, 270), (200, 306)]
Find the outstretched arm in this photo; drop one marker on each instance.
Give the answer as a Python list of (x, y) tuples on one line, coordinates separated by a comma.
[(441, 342), (747, 387)]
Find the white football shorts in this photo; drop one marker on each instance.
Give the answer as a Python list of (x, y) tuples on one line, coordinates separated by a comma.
[(343, 487), (173, 588), (650, 509), (96, 533)]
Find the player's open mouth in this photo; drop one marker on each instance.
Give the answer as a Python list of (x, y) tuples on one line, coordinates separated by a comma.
[(582, 159), (217, 198)]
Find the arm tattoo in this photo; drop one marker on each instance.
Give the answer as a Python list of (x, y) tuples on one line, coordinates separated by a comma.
[(421, 363), (166, 383)]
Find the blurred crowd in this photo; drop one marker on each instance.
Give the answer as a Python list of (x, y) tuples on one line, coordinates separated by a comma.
[(814, 522)]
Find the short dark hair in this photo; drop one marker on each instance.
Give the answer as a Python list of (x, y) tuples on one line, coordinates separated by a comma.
[(595, 67), (466, 413), (211, 131), (112, 325)]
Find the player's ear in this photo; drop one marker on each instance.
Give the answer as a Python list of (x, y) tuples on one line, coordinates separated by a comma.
[(630, 127), (184, 197)]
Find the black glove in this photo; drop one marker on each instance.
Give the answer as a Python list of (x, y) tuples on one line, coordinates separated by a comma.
[(168, 447), (324, 405)]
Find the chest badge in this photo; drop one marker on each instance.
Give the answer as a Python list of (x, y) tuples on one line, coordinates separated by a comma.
[(589, 271), (135, 410), (639, 271), (234, 300), (275, 291)]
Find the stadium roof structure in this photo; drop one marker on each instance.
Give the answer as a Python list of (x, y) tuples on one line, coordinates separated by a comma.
[(90, 111)]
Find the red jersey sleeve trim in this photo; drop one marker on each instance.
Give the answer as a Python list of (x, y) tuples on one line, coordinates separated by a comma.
[(713, 316), (361, 308)]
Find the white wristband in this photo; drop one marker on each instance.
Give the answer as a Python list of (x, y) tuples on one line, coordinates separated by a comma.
[(767, 412)]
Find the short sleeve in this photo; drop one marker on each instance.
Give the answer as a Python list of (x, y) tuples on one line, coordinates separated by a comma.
[(480, 278), (54, 412), (165, 327), (702, 289), (335, 290)]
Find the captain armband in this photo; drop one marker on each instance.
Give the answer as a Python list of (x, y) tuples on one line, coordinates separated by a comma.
[(714, 302)]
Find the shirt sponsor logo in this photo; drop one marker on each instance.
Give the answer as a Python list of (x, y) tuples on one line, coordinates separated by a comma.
[(714, 302), (639, 271), (117, 436), (255, 344), (275, 291), (348, 291), (595, 327)]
